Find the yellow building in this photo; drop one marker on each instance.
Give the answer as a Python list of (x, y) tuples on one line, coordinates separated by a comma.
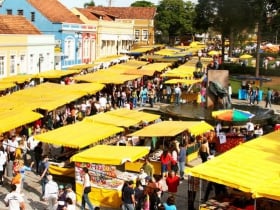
[(142, 19), (113, 37)]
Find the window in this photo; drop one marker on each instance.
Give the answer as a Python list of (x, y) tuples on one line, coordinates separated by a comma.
[(2, 66), (9, 12), (137, 34), (12, 64), (32, 16), (20, 12), (145, 34), (69, 48)]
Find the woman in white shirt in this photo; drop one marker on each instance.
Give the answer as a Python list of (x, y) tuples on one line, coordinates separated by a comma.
[(87, 189)]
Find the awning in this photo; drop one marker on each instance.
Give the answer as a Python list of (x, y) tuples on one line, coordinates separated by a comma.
[(252, 167), (172, 128), (79, 135), (183, 81), (11, 119), (18, 78), (134, 114), (52, 74), (6, 85), (110, 119), (111, 155)]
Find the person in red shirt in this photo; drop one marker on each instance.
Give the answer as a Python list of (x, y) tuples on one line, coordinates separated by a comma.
[(172, 182), (165, 159)]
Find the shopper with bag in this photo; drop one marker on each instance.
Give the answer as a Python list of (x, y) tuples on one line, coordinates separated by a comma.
[(87, 190)]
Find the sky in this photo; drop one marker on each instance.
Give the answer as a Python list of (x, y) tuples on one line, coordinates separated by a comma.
[(115, 3)]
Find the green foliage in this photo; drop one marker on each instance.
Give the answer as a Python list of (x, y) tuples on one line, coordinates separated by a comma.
[(174, 19), (89, 4), (142, 4)]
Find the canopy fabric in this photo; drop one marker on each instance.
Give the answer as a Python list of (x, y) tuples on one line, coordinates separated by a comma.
[(250, 167), (232, 115), (171, 128), (245, 56), (53, 74), (18, 78), (134, 114), (183, 81), (10, 119), (82, 66), (6, 85), (115, 120), (79, 135), (142, 50), (111, 155)]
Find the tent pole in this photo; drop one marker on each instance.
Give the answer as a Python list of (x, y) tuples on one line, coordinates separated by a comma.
[(255, 204), (200, 192)]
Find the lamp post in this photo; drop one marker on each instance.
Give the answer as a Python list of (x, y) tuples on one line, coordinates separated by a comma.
[(40, 60)]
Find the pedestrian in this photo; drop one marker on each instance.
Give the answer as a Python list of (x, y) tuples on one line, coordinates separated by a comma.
[(16, 180), (178, 93), (268, 98), (38, 151), (165, 159), (182, 159), (204, 150), (170, 203), (12, 146), (128, 196), (69, 204), (87, 190), (70, 193), (14, 200), (142, 177), (3, 161), (229, 93), (31, 144), (193, 187), (148, 167), (44, 172), (22, 168), (172, 182), (139, 195), (51, 193), (61, 198)]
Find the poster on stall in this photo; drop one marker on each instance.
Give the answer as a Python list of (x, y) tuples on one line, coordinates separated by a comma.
[(102, 176)]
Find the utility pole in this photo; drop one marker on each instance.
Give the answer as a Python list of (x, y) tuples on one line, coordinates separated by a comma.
[(109, 3)]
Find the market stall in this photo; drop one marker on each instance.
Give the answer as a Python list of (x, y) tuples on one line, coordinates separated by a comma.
[(167, 131), (106, 179), (75, 137), (252, 167)]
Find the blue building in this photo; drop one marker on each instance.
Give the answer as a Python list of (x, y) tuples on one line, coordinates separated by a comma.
[(75, 41)]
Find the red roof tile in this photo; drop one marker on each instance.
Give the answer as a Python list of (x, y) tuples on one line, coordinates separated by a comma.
[(95, 15), (13, 24), (55, 11), (128, 12)]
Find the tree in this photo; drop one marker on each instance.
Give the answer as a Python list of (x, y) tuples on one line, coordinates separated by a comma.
[(142, 4), (89, 4), (173, 19)]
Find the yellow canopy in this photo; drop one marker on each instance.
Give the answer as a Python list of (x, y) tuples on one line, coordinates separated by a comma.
[(82, 66), (172, 128), (142, 50), (251, 167), (79, 135), (115, 120), (10, 119), (156, 66), (183, 81), (245, 56), (6, 85), (18, 78), (111, 155), (134, 114), (52, 74)]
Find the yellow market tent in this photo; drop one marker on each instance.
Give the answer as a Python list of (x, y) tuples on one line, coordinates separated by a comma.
[(134, 114), (172, 128), (53, 74), (10, 119), (250, 167), (115, 120), (18, 78), (183, 81), (111, 155), (6, 85), (79, 135)]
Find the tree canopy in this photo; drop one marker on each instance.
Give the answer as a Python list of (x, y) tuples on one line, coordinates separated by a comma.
[(142, 4), (174, 19), (89, 4)]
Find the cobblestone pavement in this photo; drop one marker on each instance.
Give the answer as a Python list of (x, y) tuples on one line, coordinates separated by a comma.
[(32, 188)]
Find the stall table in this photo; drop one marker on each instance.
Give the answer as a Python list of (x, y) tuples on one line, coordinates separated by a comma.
[(229, 142)]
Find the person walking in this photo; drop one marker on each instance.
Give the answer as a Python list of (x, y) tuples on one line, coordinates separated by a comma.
[(172, 182), (178, 93), (87, 190), (182, 159), (268, 98), (229, 93), (51, 193), (70, 193), (14, 200), (128, 196), (44, 172), (3, 161), (170, 203)]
